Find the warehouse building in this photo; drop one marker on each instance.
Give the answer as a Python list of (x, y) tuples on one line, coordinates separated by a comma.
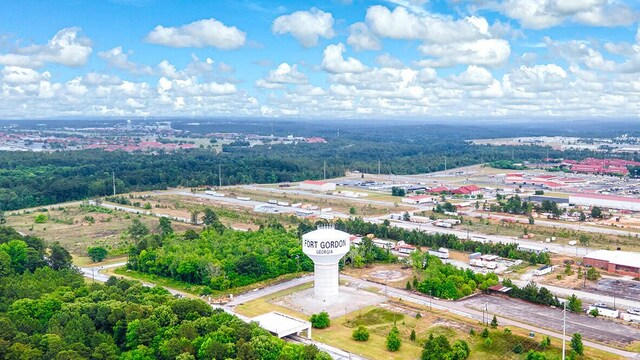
[(605, 201), (317, 185), (619, 262)]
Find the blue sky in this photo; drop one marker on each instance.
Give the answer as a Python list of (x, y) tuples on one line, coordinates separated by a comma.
[(333, 58)]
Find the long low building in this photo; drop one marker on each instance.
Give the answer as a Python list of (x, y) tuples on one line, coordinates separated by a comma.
[(619, 262), (605, 201)]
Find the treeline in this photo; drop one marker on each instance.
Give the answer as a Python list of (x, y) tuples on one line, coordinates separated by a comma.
[(532, 293), (419, 238), (446, 280), (223, 258), (48, 313), (34, 179), (19, 254)]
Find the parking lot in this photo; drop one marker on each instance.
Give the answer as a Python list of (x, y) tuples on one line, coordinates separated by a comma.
[(600, 330), (627, 289)]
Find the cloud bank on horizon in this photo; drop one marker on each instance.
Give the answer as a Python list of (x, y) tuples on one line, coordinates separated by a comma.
[(318, 59)]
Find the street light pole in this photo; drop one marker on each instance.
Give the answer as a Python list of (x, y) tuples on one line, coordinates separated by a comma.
[(564, 329)]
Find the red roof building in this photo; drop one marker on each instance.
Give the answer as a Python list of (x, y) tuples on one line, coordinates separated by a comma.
[(467, 190)]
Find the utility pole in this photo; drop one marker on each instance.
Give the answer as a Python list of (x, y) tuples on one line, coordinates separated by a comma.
[(219, 175), (564, 329), (379, 167), (113, 174), (445, 163)]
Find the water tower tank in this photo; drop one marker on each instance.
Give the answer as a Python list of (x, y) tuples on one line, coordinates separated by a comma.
[(325, 246)]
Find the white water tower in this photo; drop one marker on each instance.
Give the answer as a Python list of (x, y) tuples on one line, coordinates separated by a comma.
[(325, 246)]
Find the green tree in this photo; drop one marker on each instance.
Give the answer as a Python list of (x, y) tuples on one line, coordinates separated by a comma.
[(398, 191), (518, 349), (412, 337), (576, 344), (406, 216), (165, 226), (488, 342), (534, 355), (137, 230), (393, 340), (531, 220), (59, 257), (320, 320), (3, 219), (360, 333), (494, 322), (41, 219), (574, 304), (593, 274), (545, 343), (596, 212), (485, 333), (584, 239), (594, 312), (436, 348), (582, 216), (352, 210), (97, 253)]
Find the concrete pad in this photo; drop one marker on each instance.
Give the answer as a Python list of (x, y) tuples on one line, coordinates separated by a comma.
[(349, 300)]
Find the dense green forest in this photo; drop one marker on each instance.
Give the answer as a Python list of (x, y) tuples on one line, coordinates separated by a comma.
[(445, 280), (222, 260), (47, 311), (33, 179), (449, 241)]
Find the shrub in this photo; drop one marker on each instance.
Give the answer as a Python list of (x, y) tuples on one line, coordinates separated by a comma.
[(41, 219), (485, 333), (360, 334), (518, 349), (412, 337), (321, 320)]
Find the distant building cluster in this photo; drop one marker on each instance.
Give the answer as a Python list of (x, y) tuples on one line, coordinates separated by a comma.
[(600, 166)]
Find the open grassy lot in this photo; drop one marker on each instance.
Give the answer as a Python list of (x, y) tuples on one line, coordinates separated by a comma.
[(79, 227)]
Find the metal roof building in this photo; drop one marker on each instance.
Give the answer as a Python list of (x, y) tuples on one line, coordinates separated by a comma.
[(620, 262)]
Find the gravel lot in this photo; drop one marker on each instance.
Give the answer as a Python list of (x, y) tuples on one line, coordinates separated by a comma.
[(599, 329)]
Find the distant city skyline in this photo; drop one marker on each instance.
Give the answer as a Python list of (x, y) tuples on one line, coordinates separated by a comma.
[(405, 59)]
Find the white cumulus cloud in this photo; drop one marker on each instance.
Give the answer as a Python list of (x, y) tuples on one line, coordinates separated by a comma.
[(198, 34), (65, 48), (305, 26), (334, 62)]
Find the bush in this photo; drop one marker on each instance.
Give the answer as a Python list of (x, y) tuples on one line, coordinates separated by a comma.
[(488, 342), (360, 334), (485, 333), (393, 340), (412, 337), (321, 320), (518, 349), (41, 219)]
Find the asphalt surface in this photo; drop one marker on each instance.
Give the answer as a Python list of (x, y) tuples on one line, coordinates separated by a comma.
[(598, 329)]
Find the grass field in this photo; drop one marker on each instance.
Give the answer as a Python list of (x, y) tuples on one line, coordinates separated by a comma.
[(77, 228)]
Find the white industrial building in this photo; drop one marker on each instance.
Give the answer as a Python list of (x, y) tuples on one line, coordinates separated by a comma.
[(314, 185), (418, 199), (605, 201), (326, 246)]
